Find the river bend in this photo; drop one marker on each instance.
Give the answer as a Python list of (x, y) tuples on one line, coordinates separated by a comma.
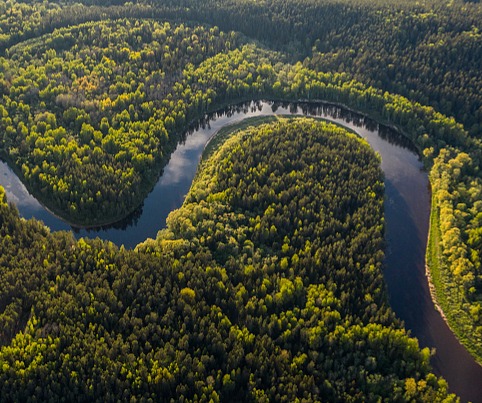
[(407, 210)]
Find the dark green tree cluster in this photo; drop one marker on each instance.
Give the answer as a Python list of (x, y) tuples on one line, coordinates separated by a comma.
[(266, 285), (427, 51), (23, 20), (19, 18)]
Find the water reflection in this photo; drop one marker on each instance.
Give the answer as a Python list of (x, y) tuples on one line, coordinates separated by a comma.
[(131, 220), (16, 191)]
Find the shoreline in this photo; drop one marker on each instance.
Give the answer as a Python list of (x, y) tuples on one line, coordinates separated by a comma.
[(117, 219), (430, 255)]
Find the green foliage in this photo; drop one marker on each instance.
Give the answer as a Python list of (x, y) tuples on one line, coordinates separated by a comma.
[(88, 126), (455, 248), (91, 111), (428, 51), (221, 315)]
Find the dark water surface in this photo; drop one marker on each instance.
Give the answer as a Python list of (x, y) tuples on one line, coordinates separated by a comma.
[(407, 209)]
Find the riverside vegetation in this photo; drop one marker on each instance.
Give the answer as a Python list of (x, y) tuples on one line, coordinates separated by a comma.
[(93, 109), (265, 285)]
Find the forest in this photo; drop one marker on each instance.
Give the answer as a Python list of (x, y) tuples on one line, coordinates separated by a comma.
[(95, 96), (243, 296)]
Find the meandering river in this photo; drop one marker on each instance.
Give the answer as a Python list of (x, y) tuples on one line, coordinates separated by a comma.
[(407, 209)]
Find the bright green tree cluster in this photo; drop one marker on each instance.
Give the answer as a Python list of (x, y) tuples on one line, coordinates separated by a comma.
[(90, 113)]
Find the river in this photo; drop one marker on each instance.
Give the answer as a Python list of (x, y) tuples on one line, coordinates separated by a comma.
[(407, 209)]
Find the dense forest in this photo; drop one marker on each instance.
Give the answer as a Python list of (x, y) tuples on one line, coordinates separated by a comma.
[(266, 285), (427, 50), (89, 113), (95, 96)]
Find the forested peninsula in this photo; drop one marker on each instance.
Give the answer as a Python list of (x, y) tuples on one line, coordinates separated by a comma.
[(267, 284), (245, 295)]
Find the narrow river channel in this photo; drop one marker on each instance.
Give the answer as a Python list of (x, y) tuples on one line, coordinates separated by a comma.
[(407, 208)]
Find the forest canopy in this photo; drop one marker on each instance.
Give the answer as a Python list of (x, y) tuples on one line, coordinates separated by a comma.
[(266, 285), (95, 96)]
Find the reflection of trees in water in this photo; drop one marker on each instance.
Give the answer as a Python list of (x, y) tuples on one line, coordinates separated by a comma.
[(229, 111), (336, 112), (306, 108), (131, 220), (394, 137)]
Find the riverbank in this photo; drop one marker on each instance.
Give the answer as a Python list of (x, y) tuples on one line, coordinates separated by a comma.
[(444, 294), (432, 258), (80, 222)]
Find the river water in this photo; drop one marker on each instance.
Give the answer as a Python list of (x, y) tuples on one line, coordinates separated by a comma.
[(407, 209)]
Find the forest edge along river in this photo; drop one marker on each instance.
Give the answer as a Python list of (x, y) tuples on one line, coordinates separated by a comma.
[(407, 210)]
